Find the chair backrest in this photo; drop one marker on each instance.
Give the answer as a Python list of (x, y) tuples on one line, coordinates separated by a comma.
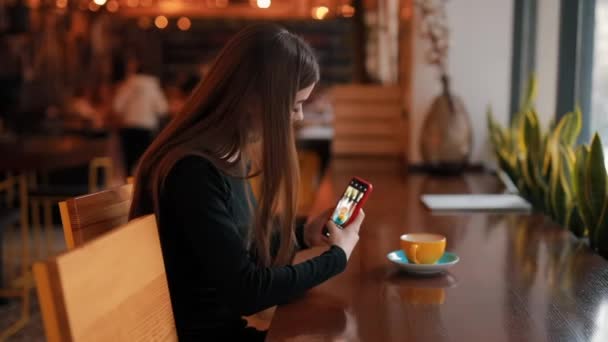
[(113, 288), (310, 177), (368, 121), (87, 217)]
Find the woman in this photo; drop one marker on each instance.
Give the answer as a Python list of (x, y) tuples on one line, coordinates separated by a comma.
[(225, 257)]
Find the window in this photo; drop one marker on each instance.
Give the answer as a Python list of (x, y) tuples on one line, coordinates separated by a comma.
[(599, 94)]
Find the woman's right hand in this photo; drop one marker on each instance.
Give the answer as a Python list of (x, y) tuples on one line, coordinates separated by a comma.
[(348, 237)]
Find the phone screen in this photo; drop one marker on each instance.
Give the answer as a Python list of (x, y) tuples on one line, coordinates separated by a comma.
[(349, 201)]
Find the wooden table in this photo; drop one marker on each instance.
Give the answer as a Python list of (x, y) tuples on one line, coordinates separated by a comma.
[(520, 278), (42, 153)]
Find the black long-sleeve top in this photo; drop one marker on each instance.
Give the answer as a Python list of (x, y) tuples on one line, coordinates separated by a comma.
[(213, 279)]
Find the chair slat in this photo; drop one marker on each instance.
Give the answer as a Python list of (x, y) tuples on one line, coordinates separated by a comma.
[(87, 217)]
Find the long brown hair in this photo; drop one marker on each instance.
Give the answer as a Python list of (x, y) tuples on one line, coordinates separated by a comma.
[(247, 96)]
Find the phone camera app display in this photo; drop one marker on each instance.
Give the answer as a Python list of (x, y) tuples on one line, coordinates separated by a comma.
[(347, 204)]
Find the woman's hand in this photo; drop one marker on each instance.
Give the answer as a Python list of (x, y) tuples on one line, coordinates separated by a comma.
[(313, 230), (346, 238)]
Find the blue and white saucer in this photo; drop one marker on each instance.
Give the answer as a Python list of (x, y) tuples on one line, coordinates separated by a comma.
[(400, 259)]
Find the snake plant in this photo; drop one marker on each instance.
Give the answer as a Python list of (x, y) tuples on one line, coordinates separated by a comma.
[(591, 190), (568, 183)]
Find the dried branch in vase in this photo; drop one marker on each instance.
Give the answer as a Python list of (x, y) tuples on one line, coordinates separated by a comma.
[(434, 28)]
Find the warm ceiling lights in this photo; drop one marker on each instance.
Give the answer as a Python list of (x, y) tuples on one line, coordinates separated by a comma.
[(347, 11), (93, 7), (320, 12), (161, 22), (263, 3), (184, 24), (144, 23), (112, 6), (99, 2), (34, 4)]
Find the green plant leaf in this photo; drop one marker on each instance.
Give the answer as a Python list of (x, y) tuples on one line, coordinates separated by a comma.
[(576, 224), (529, 135), (573, 123), (568, 217), (568, 158), (584, 209), (600, 233), (531, 92), (548, 203), (547, 160), (559, 199), (526, 177), (595, 180)]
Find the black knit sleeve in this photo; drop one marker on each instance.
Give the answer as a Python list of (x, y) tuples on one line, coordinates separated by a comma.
[(197, 193)]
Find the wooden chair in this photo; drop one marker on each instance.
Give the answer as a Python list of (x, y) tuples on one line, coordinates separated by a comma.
[(368, 121), (309, 181), (310, 177), (12, 285), (113, 288), (87, 217), (44, 197)]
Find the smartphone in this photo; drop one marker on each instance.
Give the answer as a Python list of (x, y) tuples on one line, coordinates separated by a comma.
[(349, 205)]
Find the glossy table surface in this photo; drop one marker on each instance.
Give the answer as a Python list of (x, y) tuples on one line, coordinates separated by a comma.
[(520, 277)]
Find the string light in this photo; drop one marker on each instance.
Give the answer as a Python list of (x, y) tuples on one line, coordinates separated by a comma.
[(320, 12), (263, 3), (93, 7), (34, 4), (347, 11), (144, 23), (112, 6), (161, 22), (99, 2), (184, 24)]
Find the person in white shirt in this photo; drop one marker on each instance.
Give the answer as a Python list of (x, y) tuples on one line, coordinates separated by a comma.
[(140, 104)]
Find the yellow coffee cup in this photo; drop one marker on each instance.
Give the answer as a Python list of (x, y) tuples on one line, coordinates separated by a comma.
[(423, 248)]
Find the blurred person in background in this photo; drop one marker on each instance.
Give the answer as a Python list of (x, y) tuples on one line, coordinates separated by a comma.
[(139, 104)]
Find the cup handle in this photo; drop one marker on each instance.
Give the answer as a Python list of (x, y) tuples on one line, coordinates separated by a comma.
[(413, 251)]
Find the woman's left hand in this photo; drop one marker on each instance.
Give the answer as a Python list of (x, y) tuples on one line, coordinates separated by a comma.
[(313, 230)]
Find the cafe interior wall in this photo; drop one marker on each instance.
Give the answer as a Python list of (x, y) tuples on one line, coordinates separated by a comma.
[(479, 65)]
